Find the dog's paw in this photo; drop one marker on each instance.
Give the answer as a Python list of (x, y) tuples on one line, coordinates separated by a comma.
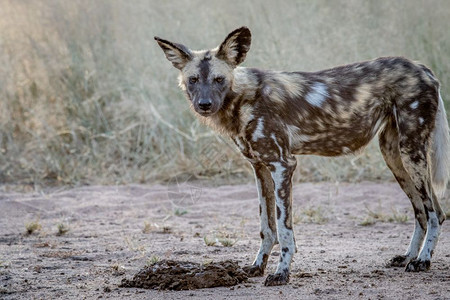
[(253, 271), (418, 265), (277, 279), (398, 261)]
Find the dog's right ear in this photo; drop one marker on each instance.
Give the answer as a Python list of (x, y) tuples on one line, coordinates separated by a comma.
[(177, 54)]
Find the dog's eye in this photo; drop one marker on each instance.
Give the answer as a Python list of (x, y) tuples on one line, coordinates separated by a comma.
[(219, 79), (193, 80)]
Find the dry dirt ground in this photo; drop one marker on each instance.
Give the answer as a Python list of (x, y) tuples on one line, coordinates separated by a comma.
[(345, 234)]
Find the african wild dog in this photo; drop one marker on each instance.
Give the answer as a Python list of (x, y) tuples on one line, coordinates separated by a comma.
[(273, 115)]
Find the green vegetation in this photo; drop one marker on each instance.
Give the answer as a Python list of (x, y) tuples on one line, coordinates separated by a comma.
[(87, 97), (153, 260), (180, 212)]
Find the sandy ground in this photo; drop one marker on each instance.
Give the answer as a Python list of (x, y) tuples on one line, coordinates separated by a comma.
[(115, 231)]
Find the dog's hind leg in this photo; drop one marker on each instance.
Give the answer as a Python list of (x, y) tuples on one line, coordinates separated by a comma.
[(389, 146), (415, 152), (267, 216)]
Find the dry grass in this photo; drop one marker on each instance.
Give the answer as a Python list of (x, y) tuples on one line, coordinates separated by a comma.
[(209, 241), (149, 227), (62, 229), (315, 215), (87, 97), (118, 270), (224, 241), (378, 215), (227, 242), (32, 227)]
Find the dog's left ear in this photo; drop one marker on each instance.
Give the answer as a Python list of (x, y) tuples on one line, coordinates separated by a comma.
[(177, 54), (235, 47)]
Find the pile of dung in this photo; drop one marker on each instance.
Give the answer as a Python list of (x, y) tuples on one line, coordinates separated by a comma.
[(179, 275)]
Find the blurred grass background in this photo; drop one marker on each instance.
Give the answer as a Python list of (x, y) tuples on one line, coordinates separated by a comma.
[(87, 96)]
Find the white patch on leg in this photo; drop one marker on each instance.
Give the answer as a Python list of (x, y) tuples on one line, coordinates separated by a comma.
[(318, 94), (416, 241), (277, 175), (414, 105), (285, 235), (259, 130), (269, 238), (431, 239), (274, 138)]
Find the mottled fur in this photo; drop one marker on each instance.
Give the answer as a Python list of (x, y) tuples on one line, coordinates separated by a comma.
[(271, 116)]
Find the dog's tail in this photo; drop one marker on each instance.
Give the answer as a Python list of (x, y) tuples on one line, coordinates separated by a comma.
[(440, 154)]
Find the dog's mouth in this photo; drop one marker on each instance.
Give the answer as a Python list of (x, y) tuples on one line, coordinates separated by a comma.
[(207, 108), (205, 113)]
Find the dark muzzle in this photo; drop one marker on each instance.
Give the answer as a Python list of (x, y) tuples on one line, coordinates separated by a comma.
[(205, 104)]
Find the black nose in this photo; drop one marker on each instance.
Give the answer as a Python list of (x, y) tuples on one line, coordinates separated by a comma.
[(204, 104)]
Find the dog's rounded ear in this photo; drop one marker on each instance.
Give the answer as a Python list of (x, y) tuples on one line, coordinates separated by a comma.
[(235, 47), (177, 54)]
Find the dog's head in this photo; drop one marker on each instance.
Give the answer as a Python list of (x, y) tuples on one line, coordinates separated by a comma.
[(207, 75)]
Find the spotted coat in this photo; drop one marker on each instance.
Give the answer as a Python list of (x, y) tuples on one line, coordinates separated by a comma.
[(272, 116)]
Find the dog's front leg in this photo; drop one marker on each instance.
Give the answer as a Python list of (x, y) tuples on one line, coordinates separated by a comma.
[(267, 216), (281, 172)]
